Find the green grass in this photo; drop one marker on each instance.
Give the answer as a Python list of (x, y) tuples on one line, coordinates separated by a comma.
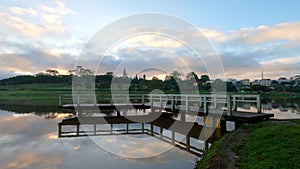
[(33, 94), (210, 153), (271, 145)]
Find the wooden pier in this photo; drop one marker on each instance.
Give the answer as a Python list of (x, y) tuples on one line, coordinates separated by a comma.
[(202, 105)]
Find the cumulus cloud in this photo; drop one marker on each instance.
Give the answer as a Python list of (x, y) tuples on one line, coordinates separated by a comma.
[(36, 38)]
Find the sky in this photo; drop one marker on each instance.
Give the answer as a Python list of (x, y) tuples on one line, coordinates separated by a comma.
[(247, 37)]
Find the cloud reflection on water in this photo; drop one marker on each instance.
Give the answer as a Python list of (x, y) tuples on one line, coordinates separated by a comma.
[(31, 142)]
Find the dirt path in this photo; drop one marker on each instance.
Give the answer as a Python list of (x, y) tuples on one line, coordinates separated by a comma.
[(226, 157)]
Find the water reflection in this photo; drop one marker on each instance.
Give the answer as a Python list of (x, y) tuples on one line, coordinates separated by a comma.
[(30, 141), (139, 127), (282, 108)]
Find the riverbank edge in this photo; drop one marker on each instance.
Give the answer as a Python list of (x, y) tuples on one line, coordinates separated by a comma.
[(226, 152)]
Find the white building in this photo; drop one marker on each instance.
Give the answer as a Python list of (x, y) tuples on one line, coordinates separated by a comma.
[(233, 81), (283, 80), (265, 82), (256, 82), (245, 82)]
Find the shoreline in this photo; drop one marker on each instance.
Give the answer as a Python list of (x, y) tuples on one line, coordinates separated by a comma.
[(233, 149)]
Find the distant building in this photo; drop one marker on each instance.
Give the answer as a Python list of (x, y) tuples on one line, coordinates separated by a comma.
[(125, 74), (245, 82), (265, 82), (256, 82), (109, 73), (233, 81), (283, 80)]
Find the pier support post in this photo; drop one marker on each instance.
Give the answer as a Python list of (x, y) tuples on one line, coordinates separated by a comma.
[(151, 129), (59, 100), (172, 103), (215, 101), (151, 101), (229, 106), (95, 129), (77, 129), (187, 109), (160, 101), (234, 105), (258, 103), (143, 128), (59, 130), (173, 137), (143, 99), (206, 145), (78, 100), (204, 105), (182, 117), (128, 99), (111, 128), (161, 132), (187, 142)]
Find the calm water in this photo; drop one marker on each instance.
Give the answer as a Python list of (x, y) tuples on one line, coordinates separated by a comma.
[(30, 141)]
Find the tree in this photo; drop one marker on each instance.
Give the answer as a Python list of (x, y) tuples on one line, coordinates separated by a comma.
[(176, 75), (191, 76), (52, 72), (204, 78)]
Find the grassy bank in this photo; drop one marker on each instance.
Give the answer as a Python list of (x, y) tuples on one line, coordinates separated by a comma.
[(273, 144)]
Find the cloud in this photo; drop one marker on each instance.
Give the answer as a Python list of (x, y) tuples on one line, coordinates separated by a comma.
[(264, 34), (22, 11), (34, 39)]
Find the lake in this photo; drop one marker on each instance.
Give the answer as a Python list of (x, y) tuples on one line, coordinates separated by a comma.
[(30, 140)]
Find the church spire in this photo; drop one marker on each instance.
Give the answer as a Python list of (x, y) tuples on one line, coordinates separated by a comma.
[(124, 73)]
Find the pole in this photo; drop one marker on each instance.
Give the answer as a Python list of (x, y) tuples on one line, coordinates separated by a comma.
[(229, 106)]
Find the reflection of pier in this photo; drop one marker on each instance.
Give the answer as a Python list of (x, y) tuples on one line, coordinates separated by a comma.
[(181, 134)]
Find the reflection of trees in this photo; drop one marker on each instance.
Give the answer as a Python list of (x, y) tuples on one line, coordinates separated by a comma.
[(283, 104)]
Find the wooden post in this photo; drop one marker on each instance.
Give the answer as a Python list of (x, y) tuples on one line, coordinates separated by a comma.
[(173, 137), (234, 103), (143, 128), (59, 130), (128, 100), (143, 99), (111, 128), (172, 103), (161, 132), (229, 106), (151, 128), (77, 129), (206, 145), (215, 101), (151, 101), (127, 128), (175, 102), (160, 101), (204, 105), (182, 117), (78, 100), (95, 129), (258, 103), (187, 142), (200, 101), (59, 101), (187, 104)]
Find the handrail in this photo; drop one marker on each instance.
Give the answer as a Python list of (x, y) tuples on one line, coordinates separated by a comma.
[(187, 100)]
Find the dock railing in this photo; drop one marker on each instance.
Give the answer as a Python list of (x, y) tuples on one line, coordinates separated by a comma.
[(186, 102)]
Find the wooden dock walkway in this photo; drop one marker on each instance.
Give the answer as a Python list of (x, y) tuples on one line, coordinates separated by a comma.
[(202, 105)]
